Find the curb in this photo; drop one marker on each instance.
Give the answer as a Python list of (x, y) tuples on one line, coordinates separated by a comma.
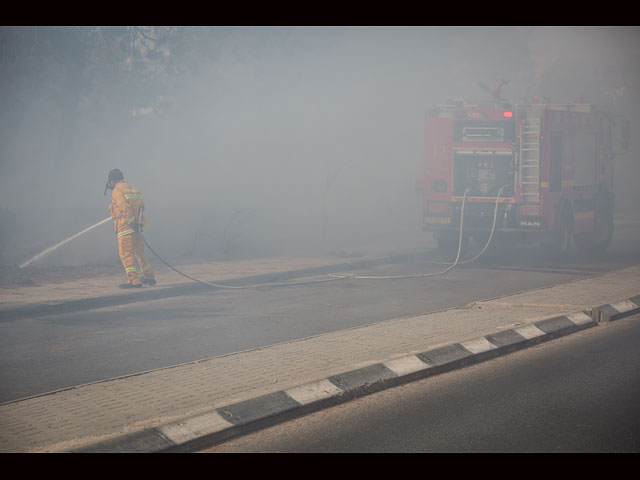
[(205, 430), (191, 288), (607, 313)]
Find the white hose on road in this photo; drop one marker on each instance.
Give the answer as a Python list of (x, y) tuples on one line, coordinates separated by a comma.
[(57, 245), (334, 277)]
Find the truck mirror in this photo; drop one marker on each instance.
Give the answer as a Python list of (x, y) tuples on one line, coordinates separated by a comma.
[(626, 134), (622, 133)]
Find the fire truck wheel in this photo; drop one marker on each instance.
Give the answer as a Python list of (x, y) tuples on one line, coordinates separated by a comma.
[(564, 230), (596, 242), (604, 232)]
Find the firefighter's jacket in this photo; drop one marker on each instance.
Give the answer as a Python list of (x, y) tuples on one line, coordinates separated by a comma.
[(127, 210)]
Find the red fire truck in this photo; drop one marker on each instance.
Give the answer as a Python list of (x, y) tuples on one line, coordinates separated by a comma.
[(536, 171)]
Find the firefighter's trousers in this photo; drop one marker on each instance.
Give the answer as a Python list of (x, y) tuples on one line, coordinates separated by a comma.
[(131, 248)]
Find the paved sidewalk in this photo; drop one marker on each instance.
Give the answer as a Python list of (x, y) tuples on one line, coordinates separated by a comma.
[(192, 405), (97, 291)]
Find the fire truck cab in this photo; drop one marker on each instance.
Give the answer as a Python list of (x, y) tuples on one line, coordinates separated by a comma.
[(535, 171)]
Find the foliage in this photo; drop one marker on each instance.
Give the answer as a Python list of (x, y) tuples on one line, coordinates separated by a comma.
[(88, 66)]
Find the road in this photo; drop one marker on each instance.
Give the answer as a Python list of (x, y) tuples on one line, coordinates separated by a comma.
[(575, 394), (43, 354)]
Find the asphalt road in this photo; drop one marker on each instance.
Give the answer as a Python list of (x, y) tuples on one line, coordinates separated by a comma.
[(48, 353), (575, 394)]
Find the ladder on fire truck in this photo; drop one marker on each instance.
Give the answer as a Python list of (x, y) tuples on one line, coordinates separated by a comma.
[(530, 154)]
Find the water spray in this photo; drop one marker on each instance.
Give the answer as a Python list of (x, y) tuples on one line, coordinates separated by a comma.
[(336, 277), (58, 245)]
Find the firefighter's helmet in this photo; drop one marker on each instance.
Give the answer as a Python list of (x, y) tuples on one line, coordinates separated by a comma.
[(115, 175)]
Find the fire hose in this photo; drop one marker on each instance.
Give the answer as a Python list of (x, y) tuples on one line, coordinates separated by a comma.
[(333, 277), (216, 285), (456, 262)]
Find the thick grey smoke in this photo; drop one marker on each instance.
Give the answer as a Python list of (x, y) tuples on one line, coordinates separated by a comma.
[(277, 138)]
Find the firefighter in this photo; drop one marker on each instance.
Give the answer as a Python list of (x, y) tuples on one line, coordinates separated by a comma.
[(127, 211)]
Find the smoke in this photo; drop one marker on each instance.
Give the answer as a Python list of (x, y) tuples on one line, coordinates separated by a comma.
[(278, 138)]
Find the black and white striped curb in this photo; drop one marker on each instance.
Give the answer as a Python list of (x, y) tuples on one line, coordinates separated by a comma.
[(613, 311), (205, 430)]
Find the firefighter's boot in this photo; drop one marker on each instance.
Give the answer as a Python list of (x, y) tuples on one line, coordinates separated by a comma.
[(130, 285)]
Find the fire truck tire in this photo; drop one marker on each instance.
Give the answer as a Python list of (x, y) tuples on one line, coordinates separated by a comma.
[(598, 241), (604, 232), (564, 229)]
